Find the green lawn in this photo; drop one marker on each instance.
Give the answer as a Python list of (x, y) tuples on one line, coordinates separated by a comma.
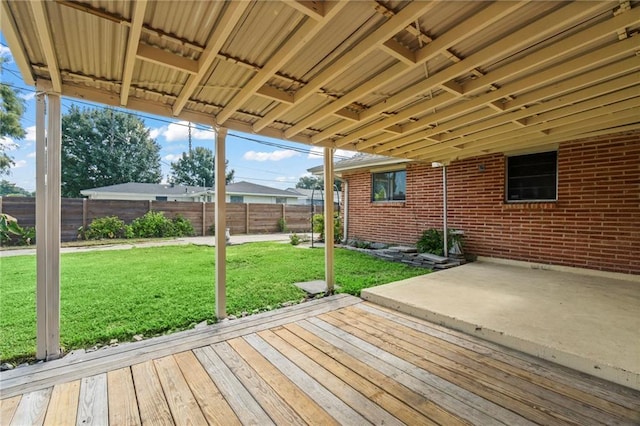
[(116, 294)]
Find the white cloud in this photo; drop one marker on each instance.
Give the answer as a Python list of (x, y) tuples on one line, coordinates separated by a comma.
[(270, 156), (7, 143), (317, 152), (286, 179), (31, 155), (154, 133), (171, 157), (31, 134), (19, 164), (180, 131), (27, 96), (6, 52)]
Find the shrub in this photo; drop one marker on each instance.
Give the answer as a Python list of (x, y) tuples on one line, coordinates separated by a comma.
[(431, 241), (182, 227), (318, 226), (152, 225), (282, 225), (295, 239), (212, 229), (104, 228), (13, 234)]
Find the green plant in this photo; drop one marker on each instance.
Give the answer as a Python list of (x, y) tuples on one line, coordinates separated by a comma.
[(318, 226), (282, 225), (212, 229), (102, 228), (13, 234), (432, 242), (8, 226), (295, 239), (152, 225), (182, 227)]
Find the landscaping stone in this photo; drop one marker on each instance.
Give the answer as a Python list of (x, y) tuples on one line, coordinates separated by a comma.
[(201, 325), (138, 337), (113, 341), (403, 249), (314, 288), (6, 366)]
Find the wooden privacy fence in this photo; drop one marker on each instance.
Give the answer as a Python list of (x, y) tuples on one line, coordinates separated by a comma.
[(241, 218)]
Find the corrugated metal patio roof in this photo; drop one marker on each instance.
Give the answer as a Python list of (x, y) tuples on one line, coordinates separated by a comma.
[(427, 81)]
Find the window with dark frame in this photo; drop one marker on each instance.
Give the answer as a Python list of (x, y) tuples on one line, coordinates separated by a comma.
[(532, 177), (236, 198), (281, 200), (389, 186), (161, 198)]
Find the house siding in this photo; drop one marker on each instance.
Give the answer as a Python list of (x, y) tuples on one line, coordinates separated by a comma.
[(594, 224)]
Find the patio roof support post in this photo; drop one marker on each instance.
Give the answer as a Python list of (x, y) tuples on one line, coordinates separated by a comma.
[(328, 220), (221, 225), (48, 179), (444, 210)]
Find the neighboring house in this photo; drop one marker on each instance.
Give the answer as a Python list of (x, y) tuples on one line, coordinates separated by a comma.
[(315, 196), (577, 204), (239, 192)]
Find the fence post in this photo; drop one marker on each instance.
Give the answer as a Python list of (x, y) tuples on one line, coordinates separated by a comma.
[(284, 216), (84, 214), (149, 208), (247, 218), (204, 218)]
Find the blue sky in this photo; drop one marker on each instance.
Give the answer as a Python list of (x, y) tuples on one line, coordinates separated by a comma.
[(276, 166)]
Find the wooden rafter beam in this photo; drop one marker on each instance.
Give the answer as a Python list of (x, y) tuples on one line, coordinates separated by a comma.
[(166, 58), (46, 43), (375, 39), (528, 83), (289, 49), (313, 9), (511, 43), (227, 22), (165, 110), (13, 38), (463, 125), (468, 27), (604, 124), (588, 82), (139, 8), (274, 94)]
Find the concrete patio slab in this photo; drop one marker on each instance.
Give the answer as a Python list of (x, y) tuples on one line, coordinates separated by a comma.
[(589, 323)]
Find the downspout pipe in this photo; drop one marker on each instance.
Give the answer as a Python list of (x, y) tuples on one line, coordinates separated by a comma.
[(345, 192), (444, 211)]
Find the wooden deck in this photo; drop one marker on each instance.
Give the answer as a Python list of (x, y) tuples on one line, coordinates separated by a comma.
[(337, 360)]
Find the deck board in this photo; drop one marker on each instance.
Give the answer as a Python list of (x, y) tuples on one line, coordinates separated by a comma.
[(123, 405), (63, 406), (337, 360)]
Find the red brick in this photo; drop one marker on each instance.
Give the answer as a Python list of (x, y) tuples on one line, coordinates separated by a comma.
[(593, 224)]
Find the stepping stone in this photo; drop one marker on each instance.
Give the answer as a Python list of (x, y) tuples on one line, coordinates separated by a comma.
[(314, 287), (403, 249)]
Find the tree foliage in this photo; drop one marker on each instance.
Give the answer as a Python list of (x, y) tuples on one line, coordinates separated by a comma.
[(103, 147), (10, 189), (196, 168), (315, 182), (11, 110)]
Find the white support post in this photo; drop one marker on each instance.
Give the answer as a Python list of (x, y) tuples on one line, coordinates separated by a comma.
[(41, 236), (328, 220), (48, 178), (221, 225), (54, 146)]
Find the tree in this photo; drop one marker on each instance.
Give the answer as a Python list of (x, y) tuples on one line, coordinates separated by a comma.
[(10, 189), (315, 182), (196, 168), (103, 147), (11, 111)]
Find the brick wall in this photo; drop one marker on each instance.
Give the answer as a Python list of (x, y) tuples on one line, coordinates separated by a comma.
[(594, 224)]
